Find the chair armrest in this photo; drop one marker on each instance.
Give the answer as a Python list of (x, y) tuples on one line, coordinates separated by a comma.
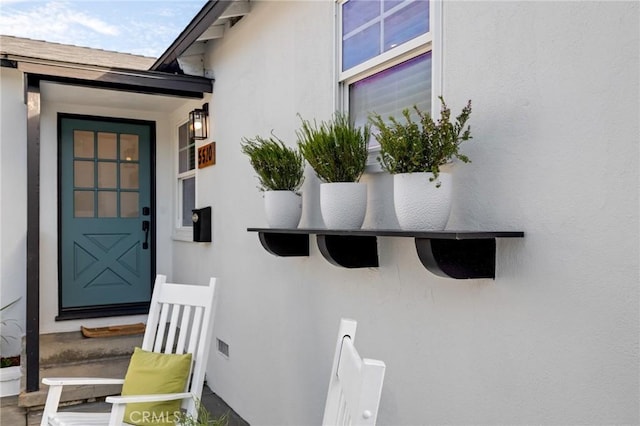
[(119, 403), (128, 399), (79, 381), (55, 391)]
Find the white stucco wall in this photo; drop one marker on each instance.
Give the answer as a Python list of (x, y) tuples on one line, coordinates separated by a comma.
[(554, 339), (13, 201), (186, 253)]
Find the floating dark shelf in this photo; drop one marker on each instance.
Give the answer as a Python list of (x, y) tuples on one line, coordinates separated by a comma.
[(455, 254)]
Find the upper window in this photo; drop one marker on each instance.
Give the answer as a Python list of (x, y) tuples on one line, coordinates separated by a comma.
[(385, 57), (371, 27), (186, 177)]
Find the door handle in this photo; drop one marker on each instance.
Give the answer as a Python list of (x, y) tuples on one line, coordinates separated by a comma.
[(145, 228)]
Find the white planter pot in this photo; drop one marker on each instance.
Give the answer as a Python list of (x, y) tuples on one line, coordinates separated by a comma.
[(419, 204), (343, 204), (10, 381), (283, 208)]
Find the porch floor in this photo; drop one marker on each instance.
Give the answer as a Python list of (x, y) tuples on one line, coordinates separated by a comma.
[(14, 415)]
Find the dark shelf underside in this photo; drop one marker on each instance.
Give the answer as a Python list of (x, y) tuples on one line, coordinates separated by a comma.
[(454, 254)]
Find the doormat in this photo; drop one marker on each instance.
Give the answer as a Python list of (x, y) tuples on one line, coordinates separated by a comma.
[(114, 330)]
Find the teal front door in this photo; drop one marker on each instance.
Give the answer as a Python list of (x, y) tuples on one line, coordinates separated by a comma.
[(106, 241)]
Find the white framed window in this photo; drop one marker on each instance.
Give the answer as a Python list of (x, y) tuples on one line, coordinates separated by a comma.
[(386, 58), (186, 178)]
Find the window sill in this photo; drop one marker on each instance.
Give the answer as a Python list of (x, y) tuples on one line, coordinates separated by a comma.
[(185, 235)]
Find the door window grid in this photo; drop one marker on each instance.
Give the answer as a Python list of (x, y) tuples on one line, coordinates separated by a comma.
[(186, 177), (106, 179)]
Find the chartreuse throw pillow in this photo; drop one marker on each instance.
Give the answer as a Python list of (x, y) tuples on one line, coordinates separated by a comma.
[(152, 373)]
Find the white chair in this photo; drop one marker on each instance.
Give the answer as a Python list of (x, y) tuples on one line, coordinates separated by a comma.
[(180, 321), (356, 384)]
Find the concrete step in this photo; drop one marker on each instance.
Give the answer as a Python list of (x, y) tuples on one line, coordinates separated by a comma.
[(110, 368), (73, 355), (10, 413), (64, 348)]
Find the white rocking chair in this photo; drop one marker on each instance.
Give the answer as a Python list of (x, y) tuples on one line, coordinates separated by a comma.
[(356, 384), (180, 321)]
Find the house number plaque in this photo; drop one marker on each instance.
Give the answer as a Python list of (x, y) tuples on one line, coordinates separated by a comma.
[(207, 155)]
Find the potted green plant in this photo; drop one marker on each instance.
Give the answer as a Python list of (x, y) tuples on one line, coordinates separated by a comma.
[(280, 171), (203, 417), (10, 359), (337, 152), (414, 152)]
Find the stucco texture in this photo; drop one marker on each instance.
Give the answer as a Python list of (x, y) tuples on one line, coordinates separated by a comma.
[(554, 338), (13, 199)]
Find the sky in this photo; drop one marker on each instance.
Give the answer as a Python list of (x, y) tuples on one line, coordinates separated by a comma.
[(141, 27)]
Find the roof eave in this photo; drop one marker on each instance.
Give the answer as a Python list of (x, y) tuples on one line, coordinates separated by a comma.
[(139, 81), (209, 13)]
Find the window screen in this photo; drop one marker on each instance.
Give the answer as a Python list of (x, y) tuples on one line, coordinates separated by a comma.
[(390, 91)]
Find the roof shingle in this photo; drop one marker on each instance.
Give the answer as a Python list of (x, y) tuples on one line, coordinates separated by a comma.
[(39, 49)]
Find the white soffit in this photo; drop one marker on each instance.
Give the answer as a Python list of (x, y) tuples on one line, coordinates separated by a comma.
[(77, 95), (236, 10), (192, 60)]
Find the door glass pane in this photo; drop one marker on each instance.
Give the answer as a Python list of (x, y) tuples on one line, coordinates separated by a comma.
[(129, 176), (129, 147), (83, 203), (83, 174), (129, 204), (406, 24), (82, 144), (107, 204), (188, 200), (107, 175), (107, 146)]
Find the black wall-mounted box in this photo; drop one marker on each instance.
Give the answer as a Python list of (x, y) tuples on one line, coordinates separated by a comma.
[(202, 224)]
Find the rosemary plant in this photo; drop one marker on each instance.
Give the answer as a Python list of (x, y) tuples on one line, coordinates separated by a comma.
[(203, 418), (278, 166), (421, 146), (336, 149)]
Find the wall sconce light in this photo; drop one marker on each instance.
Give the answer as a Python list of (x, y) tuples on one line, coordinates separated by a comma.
[(198, 128)]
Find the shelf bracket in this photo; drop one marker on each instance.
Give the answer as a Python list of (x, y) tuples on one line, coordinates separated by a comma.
[(460, 259), (285, 245), (349, 251), (451, 254)]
